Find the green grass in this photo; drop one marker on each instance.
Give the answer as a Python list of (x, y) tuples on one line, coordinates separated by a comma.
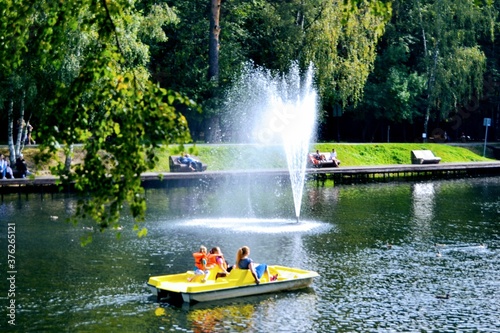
[(232, 157), (246, 156)]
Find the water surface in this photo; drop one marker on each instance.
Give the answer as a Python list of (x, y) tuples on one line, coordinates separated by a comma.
[(374, 247)]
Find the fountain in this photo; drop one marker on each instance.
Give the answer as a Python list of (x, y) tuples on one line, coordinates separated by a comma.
[(279, 109)]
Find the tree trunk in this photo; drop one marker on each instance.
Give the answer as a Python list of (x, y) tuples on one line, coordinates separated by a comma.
[(21, 128), (430, 89), (213, 130), (69, 157), (10, 132), (213, 47)]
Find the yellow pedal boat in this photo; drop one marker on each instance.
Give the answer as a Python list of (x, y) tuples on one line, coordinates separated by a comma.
[(238, 283)]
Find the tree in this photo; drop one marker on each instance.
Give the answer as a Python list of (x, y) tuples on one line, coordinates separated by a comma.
[(341, 39), (393, 92), (429, 62), (449, 54), (109, 104)]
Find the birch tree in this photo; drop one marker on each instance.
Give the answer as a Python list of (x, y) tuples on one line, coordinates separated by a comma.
[(450, 57), (110, 95)]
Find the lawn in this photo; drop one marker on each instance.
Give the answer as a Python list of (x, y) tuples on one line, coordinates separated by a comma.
[(231, 157), (246, 156)]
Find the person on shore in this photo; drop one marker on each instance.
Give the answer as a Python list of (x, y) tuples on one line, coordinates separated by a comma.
[(320, 157), (333, 158), (21, 167), (9, 174), (29, 139), (3, 166), (244, 262), (193, 164), (184, 160)]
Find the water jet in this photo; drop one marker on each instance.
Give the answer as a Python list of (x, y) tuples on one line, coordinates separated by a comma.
[(282, 108)]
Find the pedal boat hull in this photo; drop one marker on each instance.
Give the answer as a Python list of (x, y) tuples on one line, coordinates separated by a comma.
[(238, 283)]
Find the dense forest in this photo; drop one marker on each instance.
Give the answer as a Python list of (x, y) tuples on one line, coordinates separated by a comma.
[(124, 76)]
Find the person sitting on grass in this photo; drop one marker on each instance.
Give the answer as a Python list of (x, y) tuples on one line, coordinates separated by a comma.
[(9, 174), (3, 166), (21, 167)]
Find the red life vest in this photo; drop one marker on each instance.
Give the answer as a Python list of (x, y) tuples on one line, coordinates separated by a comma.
[(212, 259), (200, 260)]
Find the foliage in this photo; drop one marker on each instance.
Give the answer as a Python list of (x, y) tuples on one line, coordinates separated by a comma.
[(429, 62), (394, 89), (339, 37), (102, 96), (341, 42)]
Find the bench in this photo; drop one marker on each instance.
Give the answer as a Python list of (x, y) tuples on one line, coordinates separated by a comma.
[(312, 162), (176, 166), (424, 157)]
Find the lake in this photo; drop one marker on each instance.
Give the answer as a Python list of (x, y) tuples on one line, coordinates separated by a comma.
[(384, 253)]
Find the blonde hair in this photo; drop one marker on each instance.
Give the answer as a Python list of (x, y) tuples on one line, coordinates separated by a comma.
[(242, 251), (203, 249)]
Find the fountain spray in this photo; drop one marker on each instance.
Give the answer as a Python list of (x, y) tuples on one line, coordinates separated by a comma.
[(281, 109)]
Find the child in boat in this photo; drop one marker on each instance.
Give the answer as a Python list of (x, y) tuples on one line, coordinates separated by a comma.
[(216, 260), (244, 262), (201, 264)]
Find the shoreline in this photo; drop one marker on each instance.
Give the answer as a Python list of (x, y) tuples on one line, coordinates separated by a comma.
[(340, 175)]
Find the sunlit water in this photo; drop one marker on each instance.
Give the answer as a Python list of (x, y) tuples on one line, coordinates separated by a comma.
[(365, 285)]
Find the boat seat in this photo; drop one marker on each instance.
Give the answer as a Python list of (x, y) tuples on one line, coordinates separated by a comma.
[(211, 275), (241, 275)]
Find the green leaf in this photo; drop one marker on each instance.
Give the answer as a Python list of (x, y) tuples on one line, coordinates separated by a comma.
[(143, 232)]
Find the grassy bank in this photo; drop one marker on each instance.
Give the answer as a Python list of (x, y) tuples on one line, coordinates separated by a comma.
[(231, 157), (243, 156)]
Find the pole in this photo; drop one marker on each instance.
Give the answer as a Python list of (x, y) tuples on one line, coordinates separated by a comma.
[(485, 139), (486, 123)]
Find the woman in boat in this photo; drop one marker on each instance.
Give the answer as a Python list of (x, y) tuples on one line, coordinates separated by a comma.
[(216, 259), (201, 264), (244, 262)]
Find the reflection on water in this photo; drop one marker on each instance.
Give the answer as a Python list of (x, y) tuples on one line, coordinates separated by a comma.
[(364, 285), (263, 313), (217, 318), (423, 202), (423, 196)]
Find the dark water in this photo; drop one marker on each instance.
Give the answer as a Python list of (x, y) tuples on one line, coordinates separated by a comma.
[(364, 285)]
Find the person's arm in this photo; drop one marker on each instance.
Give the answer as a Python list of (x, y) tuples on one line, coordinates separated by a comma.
[(252, 269), (204, 263), (220, 263)]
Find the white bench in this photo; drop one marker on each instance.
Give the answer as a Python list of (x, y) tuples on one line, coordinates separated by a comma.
[(424, 157)]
